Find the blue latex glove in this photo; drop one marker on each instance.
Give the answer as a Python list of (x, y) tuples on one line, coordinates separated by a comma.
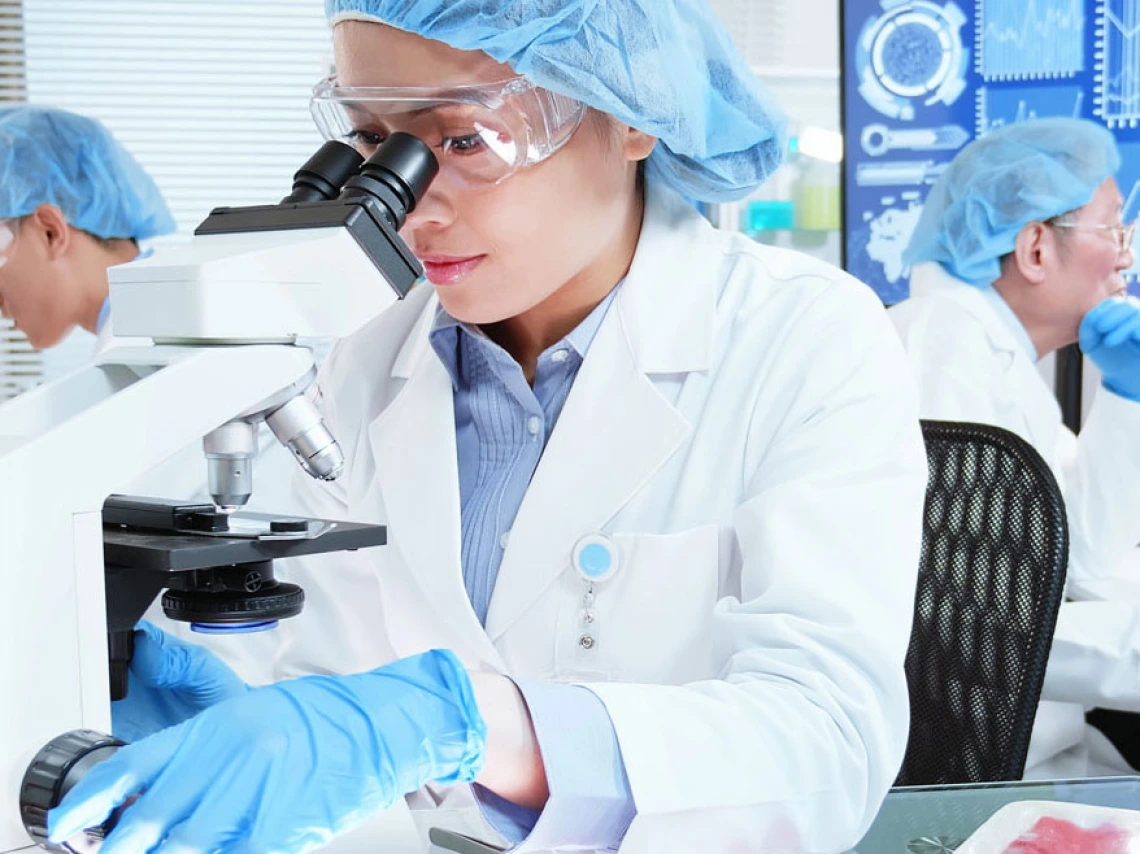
[(286, 767), (170, 682), (1110, 336)]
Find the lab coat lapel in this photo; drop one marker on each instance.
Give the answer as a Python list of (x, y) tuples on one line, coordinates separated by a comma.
[(616, 429), (1042, 412), (413, 443), (1032, 397), (1029, 395)]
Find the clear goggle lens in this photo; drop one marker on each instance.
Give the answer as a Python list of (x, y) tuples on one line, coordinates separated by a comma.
[(480, 134)]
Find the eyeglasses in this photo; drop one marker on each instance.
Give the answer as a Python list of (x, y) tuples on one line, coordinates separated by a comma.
[(1124, 234), (481, 134)]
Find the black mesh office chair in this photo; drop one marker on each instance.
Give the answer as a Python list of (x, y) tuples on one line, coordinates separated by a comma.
[(995, 546)]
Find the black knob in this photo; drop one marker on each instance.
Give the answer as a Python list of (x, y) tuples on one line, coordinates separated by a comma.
[(288, 526), (276, 601), (54, 771)]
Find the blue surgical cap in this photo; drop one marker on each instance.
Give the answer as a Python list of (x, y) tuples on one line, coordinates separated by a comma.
[(51, 156), (665, 67), (1022, 173)]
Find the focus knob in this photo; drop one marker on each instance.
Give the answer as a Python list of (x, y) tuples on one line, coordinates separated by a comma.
[(61, 764)]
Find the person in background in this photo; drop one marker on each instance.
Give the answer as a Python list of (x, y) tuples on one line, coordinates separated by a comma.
[(73, 202), (653, 491), (1020, 251)]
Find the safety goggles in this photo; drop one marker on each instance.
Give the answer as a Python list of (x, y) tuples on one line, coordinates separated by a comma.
[(481, 134)]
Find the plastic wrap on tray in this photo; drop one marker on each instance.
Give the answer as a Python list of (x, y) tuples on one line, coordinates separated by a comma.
[(1048, 827)]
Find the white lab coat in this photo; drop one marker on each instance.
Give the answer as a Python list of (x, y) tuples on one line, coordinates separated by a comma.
[(743, 428), (970, 366)]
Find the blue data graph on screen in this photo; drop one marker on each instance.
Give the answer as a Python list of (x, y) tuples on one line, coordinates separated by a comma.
[(921, 78), (1030, 39), (1118, 62), (998, 107), (1129, 180)]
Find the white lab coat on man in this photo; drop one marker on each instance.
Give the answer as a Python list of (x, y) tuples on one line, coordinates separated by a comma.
[(744, 430), (971, 366)]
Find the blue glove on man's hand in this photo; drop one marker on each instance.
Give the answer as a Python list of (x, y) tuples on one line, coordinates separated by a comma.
[(1110, 336), (170, 681), (286, 767)]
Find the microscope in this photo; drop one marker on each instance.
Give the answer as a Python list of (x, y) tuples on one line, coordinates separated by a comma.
[(81, 563)]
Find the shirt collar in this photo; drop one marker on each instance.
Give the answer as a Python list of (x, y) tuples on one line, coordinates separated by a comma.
[(1012, 321), (579, 339), (584, 333)]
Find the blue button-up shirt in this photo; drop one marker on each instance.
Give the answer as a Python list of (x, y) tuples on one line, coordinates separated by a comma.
[(502, 425)]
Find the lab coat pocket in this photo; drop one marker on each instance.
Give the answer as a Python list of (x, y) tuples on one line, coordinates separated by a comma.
[(651, 620)]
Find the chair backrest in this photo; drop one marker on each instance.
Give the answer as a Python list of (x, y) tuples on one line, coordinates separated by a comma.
[(995, 545)]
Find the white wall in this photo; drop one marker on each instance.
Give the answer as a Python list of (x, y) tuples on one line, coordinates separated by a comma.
[(793, 45)]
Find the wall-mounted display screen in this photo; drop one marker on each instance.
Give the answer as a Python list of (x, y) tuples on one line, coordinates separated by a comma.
[(922, 78)]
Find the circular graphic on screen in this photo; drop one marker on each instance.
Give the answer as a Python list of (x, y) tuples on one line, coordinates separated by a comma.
[(912, 55)]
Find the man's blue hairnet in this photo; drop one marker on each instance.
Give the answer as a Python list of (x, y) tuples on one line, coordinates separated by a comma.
[(50, 156), (665, 67), (1022, 173)]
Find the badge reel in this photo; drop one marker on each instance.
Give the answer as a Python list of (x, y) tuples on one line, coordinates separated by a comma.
[(596, 559)]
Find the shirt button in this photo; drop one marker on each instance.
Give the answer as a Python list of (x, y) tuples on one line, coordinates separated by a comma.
[(506, 535), (534, 425), (559, 356), (586, 642)]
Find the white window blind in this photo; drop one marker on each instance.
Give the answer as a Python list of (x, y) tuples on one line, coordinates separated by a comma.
[(11, 51), (20, 366), (211, 96)]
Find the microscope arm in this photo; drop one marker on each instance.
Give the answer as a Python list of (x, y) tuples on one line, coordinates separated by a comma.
[(64, 447)]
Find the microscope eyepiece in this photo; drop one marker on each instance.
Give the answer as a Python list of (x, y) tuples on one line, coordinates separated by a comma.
[(323, 174), (397, 175)]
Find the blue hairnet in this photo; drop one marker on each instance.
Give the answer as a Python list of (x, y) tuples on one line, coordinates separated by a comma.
[(665, 67), (1022, 173), (50, 156)]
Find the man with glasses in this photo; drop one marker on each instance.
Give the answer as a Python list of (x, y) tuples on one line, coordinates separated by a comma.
[(73, 203), (1020, 251)]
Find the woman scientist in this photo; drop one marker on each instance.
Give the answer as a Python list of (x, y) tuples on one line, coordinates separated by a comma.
[(666, 480)]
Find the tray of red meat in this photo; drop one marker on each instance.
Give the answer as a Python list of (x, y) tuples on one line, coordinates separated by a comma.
[(1047, 827)]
